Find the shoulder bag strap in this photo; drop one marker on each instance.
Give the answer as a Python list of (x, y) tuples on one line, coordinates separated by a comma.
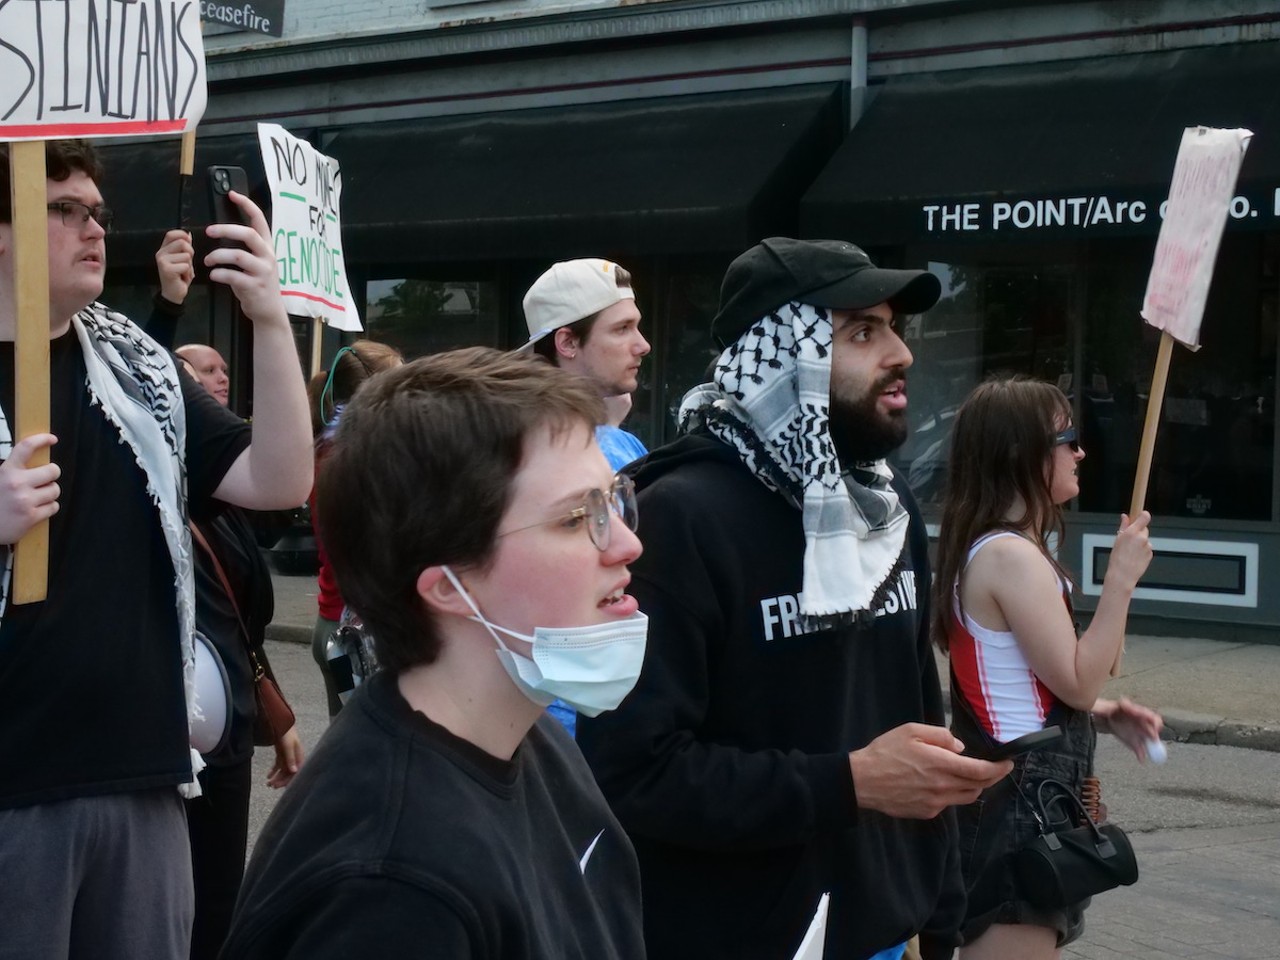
[(198, 535)]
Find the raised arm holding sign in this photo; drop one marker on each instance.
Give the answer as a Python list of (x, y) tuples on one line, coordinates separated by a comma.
[(1204, 180)]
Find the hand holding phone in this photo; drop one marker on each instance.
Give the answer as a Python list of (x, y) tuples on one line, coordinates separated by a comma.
[(222, 180), (1031, 741)]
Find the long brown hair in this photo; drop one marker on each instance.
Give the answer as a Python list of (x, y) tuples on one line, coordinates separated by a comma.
[(1001, 443), (351, 367)]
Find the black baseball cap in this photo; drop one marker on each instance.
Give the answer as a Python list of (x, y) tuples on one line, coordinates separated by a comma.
[(822, 273)]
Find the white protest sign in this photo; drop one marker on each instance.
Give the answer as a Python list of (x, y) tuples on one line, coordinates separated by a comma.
[(812, 946), (1204, 181), (306, 187), (99, 68)]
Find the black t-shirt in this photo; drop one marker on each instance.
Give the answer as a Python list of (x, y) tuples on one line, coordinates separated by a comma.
[(91, 696), (400, 839)]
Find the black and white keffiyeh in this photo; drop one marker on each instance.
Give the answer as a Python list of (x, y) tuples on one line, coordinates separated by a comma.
[(770, 399), (135, 383)]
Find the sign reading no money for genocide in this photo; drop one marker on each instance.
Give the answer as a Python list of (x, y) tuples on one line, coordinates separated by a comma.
[(99, 68), (306, 187)]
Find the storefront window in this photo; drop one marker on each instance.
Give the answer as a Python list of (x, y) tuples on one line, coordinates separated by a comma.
[(1074, 319), (421, 317), (691, 298), (1214, 451), (1005, 319)]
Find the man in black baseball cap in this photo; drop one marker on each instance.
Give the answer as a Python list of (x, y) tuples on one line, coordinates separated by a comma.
[(824, 273), (786, 737)]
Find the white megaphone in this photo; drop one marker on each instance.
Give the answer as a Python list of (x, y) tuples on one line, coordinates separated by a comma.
[(213, 697)]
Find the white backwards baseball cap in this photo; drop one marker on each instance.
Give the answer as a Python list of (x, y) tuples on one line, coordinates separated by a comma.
[(570, 291)]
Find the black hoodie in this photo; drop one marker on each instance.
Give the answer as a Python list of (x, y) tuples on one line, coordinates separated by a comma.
[(728, 764)]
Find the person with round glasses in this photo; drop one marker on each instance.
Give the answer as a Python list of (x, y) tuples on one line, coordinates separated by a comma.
[(1002, 610), (478, 531)]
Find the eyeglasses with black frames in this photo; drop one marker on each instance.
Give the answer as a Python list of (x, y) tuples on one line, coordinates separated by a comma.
[(73, 213), (1067, 436), (619, 499)]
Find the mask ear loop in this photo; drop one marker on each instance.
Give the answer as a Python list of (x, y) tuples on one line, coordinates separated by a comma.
[(479, 617), (327, 392)]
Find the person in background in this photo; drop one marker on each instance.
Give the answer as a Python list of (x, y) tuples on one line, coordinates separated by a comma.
[(582, 317), (1002, 611), (329, 391), (218, 819), (483, 538)]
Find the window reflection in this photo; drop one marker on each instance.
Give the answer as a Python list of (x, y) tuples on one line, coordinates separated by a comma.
[(421, 317)]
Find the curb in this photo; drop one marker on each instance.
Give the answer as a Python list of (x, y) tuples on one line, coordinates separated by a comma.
[(1181, 726), (291, 633)]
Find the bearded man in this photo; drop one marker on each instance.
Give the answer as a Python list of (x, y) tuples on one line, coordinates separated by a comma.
[(785, 739)]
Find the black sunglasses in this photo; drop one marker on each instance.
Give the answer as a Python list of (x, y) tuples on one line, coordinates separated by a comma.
[(1067, 436)]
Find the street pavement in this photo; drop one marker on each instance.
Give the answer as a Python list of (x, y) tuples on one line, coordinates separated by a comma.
[(1205, 826)]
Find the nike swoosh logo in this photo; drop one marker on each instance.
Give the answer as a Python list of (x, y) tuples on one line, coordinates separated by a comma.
[(582, 864)]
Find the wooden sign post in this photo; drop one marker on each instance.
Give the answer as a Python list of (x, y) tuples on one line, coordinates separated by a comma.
[(78, 74), (1204, 180), (31, 346)]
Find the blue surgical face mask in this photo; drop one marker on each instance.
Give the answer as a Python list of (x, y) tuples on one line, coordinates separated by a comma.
[(590, 668)]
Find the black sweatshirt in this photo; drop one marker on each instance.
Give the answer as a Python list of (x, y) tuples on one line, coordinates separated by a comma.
[(728, 765)]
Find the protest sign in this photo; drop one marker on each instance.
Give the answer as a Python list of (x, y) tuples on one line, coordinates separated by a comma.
[(1200, 197), (1204, 183), (99, 68), (306, 188)]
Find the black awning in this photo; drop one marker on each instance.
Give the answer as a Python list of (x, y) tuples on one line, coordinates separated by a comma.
[(1081, 148), (673, 175), (140, 184)]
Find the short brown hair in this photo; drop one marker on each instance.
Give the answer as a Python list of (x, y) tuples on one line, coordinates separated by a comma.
[(581, 329), (61, 159), (420, 475)]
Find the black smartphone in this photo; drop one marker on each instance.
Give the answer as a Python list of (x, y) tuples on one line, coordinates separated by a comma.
[(1023, 744), (222, 180)]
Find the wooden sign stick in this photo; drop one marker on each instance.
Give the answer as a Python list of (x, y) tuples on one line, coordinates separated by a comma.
[(29, 190), (1155, 402), (317, 345)]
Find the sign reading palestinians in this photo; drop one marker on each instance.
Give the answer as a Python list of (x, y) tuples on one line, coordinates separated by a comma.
[(1200, 198), (264, 16), (99, 68), (306, 187)]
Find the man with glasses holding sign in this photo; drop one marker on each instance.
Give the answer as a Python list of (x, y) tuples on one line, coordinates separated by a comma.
[(476, 528), (96, 681)]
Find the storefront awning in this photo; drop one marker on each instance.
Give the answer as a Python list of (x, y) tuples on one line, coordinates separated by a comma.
[(1068, 150), (674, 175)]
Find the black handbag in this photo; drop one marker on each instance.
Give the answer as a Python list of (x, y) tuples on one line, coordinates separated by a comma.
[(1067, 863)]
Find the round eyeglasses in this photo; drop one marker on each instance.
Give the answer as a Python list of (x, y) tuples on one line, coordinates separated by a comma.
[(597, 505)]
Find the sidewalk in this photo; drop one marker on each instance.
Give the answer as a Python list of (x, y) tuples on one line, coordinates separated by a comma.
[(1209, 691)]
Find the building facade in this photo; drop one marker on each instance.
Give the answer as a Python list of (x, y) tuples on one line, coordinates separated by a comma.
[(1022, 151)]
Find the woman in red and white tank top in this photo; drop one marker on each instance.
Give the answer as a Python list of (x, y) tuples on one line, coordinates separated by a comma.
[(1002, 610)]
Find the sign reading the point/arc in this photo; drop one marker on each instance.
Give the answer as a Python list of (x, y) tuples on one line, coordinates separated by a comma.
[(99, 68), (306, 187)]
